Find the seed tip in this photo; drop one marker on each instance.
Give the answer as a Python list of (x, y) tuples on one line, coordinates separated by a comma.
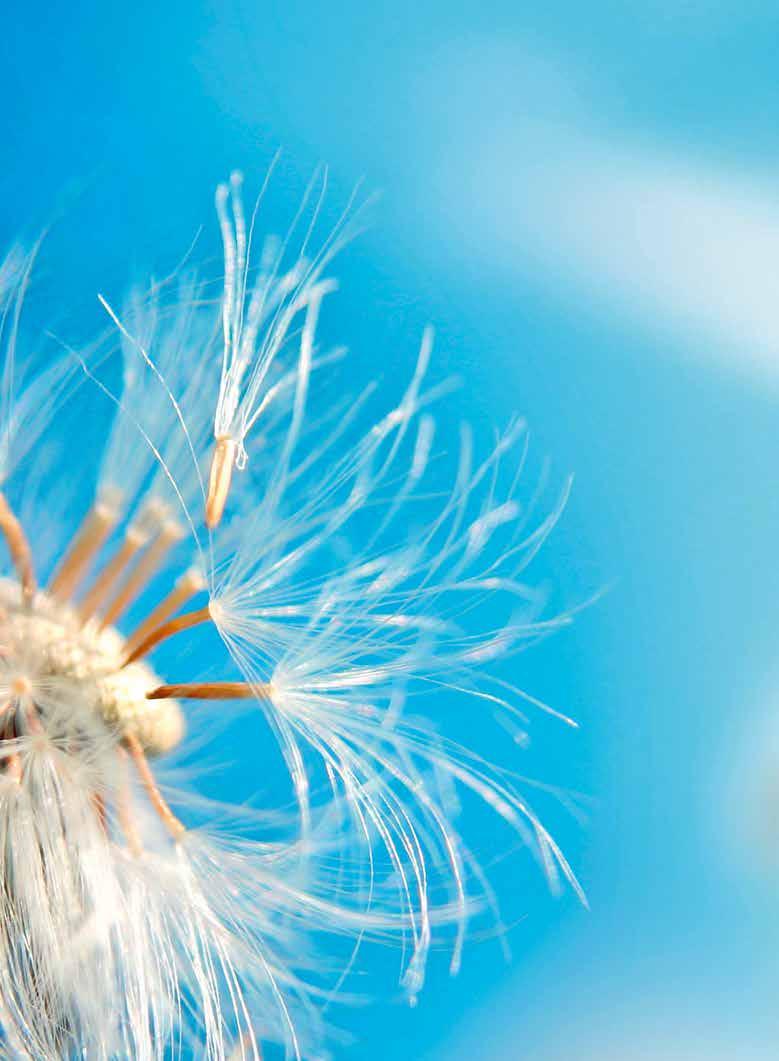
[(219, 480)]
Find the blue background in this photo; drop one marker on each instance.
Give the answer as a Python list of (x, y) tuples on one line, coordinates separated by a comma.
[(583, 199)]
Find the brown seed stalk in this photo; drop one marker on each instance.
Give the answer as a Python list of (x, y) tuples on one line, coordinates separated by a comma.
[(102, 585), (124, 811), (219, 480), (99, 807), (190, 583), (168, 629), (210, 691), (18, 547), (143, 572), (95, 528), (174, 826)]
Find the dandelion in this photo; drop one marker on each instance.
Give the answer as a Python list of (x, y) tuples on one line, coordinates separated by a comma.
[(357, 587)]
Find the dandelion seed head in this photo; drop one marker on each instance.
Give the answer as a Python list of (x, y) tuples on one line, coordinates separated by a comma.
[(358, 584)]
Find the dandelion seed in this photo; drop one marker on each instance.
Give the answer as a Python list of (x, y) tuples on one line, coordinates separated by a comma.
[(258, 316), (359, 586)]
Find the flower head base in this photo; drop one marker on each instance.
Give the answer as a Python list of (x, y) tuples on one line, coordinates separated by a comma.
[(47, 647), (358, 588)]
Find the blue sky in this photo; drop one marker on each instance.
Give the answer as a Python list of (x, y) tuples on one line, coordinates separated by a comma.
[(585, 202)]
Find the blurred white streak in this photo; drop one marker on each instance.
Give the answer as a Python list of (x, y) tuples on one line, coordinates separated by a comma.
[(748, 822), (533, 183), (619, 1014)]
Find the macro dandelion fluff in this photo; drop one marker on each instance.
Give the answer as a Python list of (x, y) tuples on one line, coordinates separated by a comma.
[(257, 323), (354, 590)]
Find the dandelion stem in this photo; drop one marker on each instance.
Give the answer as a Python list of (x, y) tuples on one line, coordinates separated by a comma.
[(210, 691), (18, 547), (173, 626), (143, 572), (94, 530), (101, 587), (158, 801), (219, 480)]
